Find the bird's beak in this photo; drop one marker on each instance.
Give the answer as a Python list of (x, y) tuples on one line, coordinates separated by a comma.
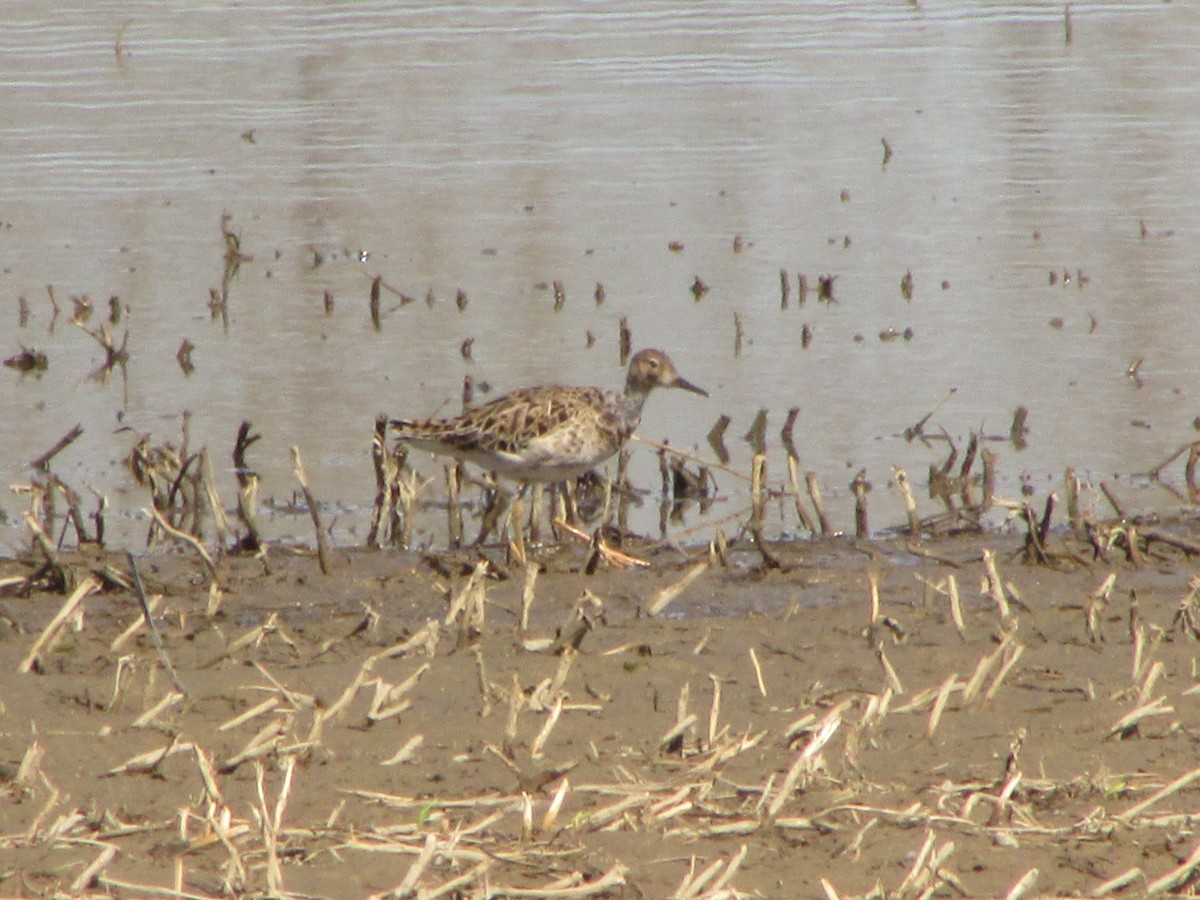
[(688, 386)]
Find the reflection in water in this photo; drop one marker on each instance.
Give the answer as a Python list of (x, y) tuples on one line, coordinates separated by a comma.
[(500, 150)]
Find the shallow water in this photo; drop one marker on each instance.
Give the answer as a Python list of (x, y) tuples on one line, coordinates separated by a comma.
[(494, 150)]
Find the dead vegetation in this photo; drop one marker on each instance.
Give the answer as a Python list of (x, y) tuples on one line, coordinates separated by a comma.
[(492, 742)]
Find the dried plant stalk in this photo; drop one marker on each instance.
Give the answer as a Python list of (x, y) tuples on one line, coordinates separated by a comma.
[(51, 633)]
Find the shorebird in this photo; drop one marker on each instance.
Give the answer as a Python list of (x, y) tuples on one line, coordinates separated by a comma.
[(551, 432)]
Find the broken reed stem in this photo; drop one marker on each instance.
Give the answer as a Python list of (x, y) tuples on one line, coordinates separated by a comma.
[(62, 576), (995, 587), (224, 531), (313, 511), (814, 494), (794, 483), (861, 487), (758, 500), (248, 482), (910, 503), (1114, 501), (385, 473), (955, 607)]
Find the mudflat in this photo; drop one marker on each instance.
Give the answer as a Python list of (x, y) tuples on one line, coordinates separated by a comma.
[(871, 718)]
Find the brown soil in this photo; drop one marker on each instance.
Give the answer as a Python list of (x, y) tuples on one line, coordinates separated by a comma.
[(810, 779)]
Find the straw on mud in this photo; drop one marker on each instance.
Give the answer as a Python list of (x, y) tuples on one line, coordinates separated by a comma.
[(669, 593), (993, 585), (758, 675), (169, 700), (136, 625), (1177, 876), (1117, 883), (1174, 787), (87, 877), (460, 603), (149, 761), (804, 762), (939, 705), (313, 510), (1013, 655), (1023, 885), (51, 633), (605, 884), (405, 753), (714, 710), (253, 712), (552, 811), (955, 607), (1128, 723), (537, 748)]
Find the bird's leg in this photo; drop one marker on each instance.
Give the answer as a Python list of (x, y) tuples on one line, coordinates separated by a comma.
[(537, 492), (570, 503), (496, 500)]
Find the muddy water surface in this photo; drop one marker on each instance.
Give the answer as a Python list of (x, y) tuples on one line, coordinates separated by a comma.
[(496, 150)]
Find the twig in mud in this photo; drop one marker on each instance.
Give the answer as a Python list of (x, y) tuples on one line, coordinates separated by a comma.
[(42, 463), (917, 429), (1156, 472), (140, 590), (313, 511), (1110, 495)]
